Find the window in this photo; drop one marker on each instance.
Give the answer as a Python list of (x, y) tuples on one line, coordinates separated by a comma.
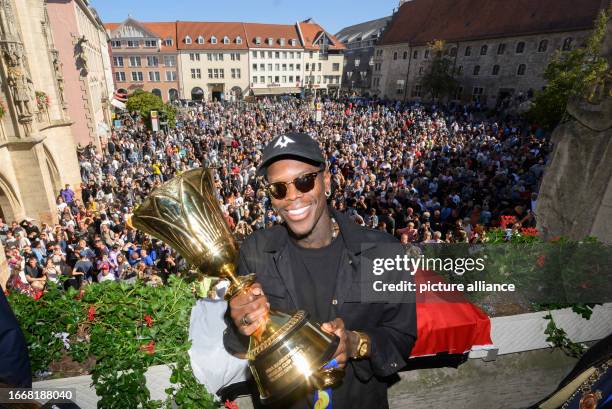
[(476, 70), (209, 56), (284, 67), (210, 73), (269, 67), (284, 79), (520, 47), (255, 80), (196, 73), (290, 67), (292, 42), (484, 49), (495, 70), (282, 43), (269, 54), (277, 67), (254, 54), (220, 56), (521, 69), (298, 54), (291, 78), (357, 62), (137, 76), (194, 56), (238, 40), (262, 67), (120, 76), (543, 46), (235, 72), (187, 40), (395, 55), (213, 40), (458, 93), (270, 41), (170, 75), (501, 48), (477, 93), (468, 51), (405, 55), (200, 40), (567, 44), (235, 56), (132, 43), (269, 79), (118, 61), (377, 66), (421, 70), (168, 42), (154, 76), (226, 40), (169, 60), (116, 43), (152, 61), (453, 51), (415, 54), (426, 54), (257, 40), (336, 66), (254, 67), (284, 54), (277, 54), (150, 43), (460, 70), (417, 90), (135, 62), (262, 79)]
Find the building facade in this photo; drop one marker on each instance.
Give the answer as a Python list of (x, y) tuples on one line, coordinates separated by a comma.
[(37, 147), (145, 56), (82, 49), (227, 60), (213, 60), (360, 41), (491, 60)]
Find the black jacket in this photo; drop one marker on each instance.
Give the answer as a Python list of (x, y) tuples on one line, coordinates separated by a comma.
[(391, 326), (14, 359)]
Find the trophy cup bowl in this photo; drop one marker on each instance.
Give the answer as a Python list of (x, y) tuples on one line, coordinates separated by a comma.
[(288, 350)]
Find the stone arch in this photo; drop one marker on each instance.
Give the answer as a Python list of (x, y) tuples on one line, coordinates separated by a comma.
[(197, 94), (156, 91), (173, 94), (237, 92), (54, 173), (10, 206)]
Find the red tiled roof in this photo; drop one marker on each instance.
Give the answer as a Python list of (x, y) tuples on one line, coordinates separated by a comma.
[(275, 31), (312, 31), (164, 31), (111, 26), (207, 30), (421, 21)]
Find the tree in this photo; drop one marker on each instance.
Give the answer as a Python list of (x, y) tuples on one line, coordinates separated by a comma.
[(438, 81), (568, 75), (144, 102)]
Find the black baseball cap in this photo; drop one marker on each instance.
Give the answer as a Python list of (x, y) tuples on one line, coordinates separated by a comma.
[(292, 145)]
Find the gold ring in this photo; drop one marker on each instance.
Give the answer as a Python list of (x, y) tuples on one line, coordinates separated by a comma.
[(245, 321)]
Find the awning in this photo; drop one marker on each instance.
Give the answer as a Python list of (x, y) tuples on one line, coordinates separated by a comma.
[(276, 90)]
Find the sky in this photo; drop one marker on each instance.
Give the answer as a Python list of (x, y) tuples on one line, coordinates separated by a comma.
[(332, 15)]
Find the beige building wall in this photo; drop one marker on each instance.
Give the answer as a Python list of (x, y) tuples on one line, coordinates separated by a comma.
[(322, 72), (281, 68), (400, 77), (214, 72)]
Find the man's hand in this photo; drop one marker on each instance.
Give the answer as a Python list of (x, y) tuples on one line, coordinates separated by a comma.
[(249, 309), (347, 340)]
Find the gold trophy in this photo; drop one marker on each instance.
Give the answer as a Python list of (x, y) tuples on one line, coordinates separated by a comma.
[(287, 351)]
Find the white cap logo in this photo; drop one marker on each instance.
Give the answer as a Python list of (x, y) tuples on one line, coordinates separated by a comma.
[(283, 141)]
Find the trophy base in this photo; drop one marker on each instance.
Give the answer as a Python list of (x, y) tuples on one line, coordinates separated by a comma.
[(292, 352)]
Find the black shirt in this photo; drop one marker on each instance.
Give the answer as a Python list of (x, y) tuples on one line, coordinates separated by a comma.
[(315, 271)]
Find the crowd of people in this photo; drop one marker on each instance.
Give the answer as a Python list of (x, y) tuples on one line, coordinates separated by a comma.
[(433, 174)]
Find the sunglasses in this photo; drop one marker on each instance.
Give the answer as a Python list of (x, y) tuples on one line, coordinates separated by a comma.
[(304, 184)]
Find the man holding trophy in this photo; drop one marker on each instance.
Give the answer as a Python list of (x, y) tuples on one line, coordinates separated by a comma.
[(313, 263)]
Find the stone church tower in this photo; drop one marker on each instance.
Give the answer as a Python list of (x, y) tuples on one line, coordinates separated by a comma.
[(37, 150)]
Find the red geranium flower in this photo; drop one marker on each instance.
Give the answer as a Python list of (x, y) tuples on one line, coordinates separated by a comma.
[(529, 231), (91, 313), (506, 220), (230, 404), (149, 320), (149, 348), (541, 260)]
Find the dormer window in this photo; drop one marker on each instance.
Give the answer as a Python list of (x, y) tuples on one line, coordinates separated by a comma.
[(282, 41), (213, 40), (226, 40), (200, 40), (238, 40), (187, 40), (257, 40), (168, 42), (292, 42), (270, 41)]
